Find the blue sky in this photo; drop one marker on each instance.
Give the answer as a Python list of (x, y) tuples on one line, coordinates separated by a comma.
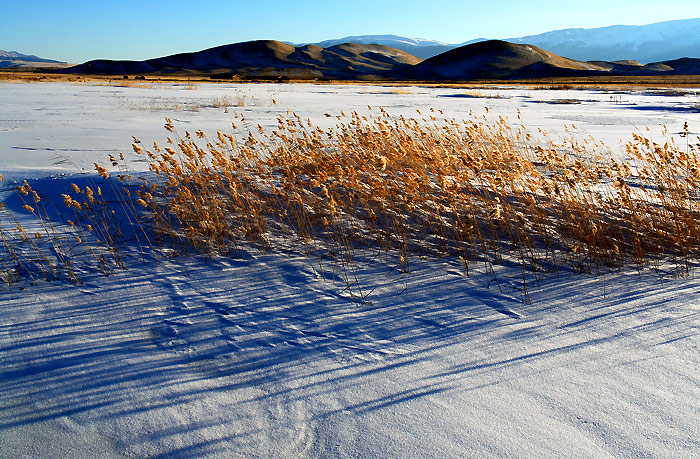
[(77, 31)]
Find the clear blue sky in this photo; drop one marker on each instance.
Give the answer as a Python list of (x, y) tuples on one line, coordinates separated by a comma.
[(77, 31)]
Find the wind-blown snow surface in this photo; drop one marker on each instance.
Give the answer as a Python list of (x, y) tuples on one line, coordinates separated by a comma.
[(259, 355)]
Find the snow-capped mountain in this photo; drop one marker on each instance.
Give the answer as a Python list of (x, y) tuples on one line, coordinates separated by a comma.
[(646, 43), (418, 47), (15, 59), (661, 41), (372, 39)]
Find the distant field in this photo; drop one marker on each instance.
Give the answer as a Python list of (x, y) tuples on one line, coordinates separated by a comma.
[(24, 75)]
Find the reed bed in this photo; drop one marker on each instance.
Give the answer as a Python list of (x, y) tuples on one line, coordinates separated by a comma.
[(51, 246), (237, 99), (480, 190), (475, 189)]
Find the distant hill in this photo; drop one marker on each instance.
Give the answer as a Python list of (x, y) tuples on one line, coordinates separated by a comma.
[(657, 42), (683, 66), (265, 58), (497, 59), (415, 46), (489, 59), (10, 59)]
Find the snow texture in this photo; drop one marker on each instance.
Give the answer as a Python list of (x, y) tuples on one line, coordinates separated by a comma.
[(261, 355)]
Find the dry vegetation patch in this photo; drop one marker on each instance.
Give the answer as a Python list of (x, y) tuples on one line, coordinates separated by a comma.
[(476, 189)]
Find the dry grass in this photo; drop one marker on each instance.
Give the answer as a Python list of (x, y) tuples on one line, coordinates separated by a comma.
[(480, 191), (597, 82), (470, 189), (236, 99), (56, 248)]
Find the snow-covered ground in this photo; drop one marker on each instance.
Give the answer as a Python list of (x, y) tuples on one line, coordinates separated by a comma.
[(259, 355), (67, 126)]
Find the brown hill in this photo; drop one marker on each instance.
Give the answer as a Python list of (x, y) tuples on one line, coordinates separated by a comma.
[(493, 59), (497, 59), (264, 58), (683, 66)]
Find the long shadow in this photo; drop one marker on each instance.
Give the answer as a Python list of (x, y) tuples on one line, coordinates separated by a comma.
[(168, 335), (662, 108)]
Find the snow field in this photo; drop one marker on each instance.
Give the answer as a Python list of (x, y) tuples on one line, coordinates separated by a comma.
[(259, 355)]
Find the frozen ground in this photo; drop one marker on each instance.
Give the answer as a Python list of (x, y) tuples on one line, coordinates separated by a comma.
[(259, 356), (66, 126)]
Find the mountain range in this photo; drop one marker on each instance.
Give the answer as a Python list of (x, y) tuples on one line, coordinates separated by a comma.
[(657, 42), (418, 47), (490, 59), (497, 59), (614, 50), (266, 58), (10, 59)]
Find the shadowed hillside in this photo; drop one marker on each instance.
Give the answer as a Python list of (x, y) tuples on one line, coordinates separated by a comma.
[(265, 58), (648, 43), (13, 59), (491, 59), (497, 59)]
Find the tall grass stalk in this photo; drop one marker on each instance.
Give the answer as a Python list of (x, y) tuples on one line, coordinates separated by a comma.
[(395, 187)]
